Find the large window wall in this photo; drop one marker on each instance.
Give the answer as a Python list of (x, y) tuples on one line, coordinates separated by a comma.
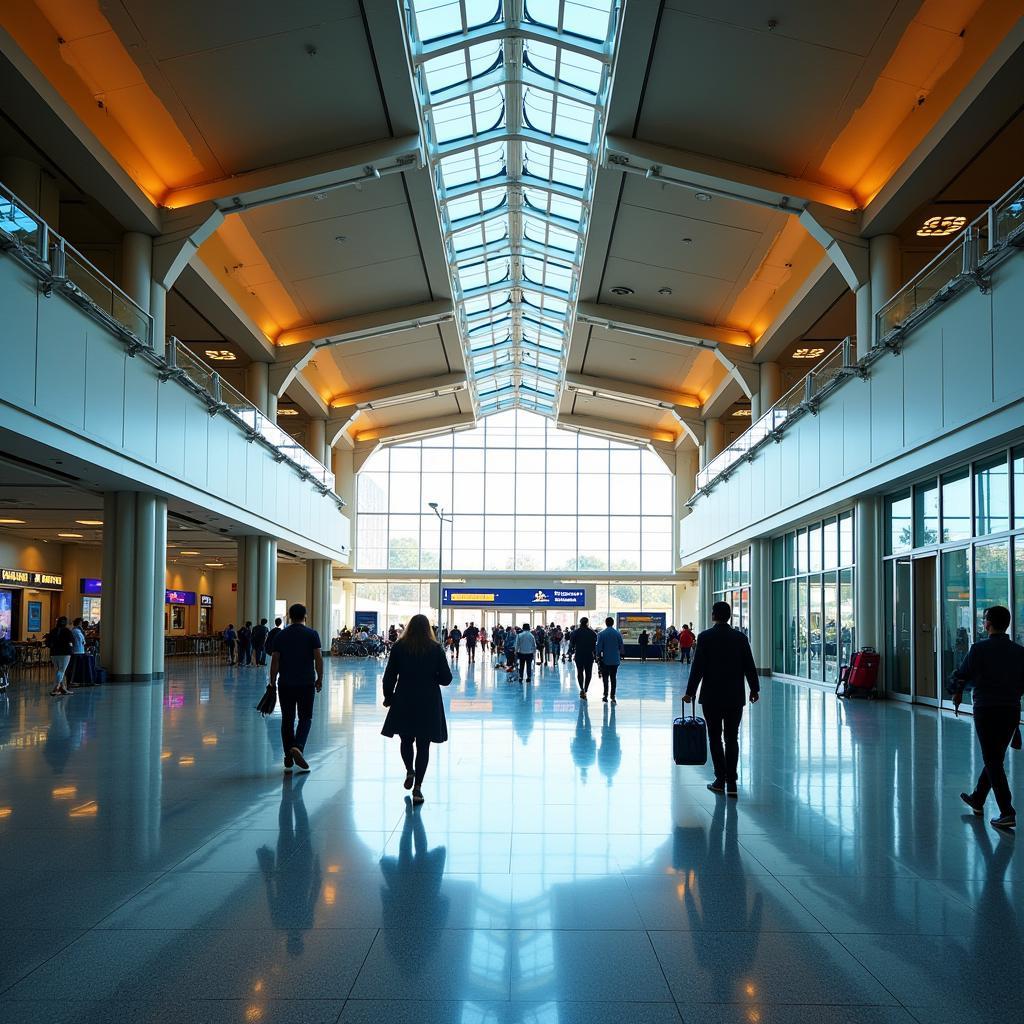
[(525, 496), (813, 628), (731, 583), (395, 603), (954, 546)]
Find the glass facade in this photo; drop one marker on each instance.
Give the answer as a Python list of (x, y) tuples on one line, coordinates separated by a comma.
[(731, 583), (969, 524), (525, 497), (813, 627)]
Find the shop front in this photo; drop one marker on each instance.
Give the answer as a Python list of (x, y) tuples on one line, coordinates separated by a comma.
[(29, 602)]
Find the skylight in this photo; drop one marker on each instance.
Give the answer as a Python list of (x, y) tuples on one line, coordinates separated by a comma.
[(512, 97)]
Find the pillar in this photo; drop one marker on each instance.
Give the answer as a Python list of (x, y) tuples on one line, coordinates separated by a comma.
[(272, 407), (687, 464), (137, 267), (257, 385), (771, 386), (867, 574), (318, 599), (714, 440), (256, 587), (158, 311), (885, 260), (134, 580), (317, 440), (761, 604), (704, 595), (342, 465)]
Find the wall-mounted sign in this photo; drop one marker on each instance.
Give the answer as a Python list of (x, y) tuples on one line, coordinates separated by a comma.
[(632, 624), (35, 616), (91, 587), (481, 597), (180, 597), (206, 600), (367, 621), (28, 578)]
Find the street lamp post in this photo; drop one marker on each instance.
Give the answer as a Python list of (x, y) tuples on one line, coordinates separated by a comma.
[(441, 520)]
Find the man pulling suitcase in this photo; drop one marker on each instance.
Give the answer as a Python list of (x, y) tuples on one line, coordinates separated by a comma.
[(722, 663)]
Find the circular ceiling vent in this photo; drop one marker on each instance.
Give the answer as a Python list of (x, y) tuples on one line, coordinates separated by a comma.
[(621, 289)]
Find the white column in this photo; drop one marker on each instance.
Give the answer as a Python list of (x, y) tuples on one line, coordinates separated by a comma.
[(137, 267), (886, 260), (761, 604), (867, 574), (704, 595), (317, 438), (266, 577), (257, 385), (771, 386), (714, 439), (318, 599), (687, 463)]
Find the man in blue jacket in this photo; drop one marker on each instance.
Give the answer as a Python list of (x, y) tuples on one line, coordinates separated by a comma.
[(994, 669), (610, 649)]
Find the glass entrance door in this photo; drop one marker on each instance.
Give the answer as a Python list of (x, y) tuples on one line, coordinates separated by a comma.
[(926, 633)]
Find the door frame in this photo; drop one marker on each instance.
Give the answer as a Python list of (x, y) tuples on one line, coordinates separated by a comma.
[(937, 700)]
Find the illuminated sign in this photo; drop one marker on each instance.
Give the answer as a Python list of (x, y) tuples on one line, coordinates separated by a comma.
[(939, 227), (180, 597), (28, 578), (452, 597), (206, 600), (92, 587), (632, 624)]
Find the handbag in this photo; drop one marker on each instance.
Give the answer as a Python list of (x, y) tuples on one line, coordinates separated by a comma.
[(268, 701)]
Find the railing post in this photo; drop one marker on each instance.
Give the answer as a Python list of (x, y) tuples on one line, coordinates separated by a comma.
[(43, 242), (809, 386), (171, 355), (215, 386), (967, 252), (59, 266), (990, 226), (847, 352)]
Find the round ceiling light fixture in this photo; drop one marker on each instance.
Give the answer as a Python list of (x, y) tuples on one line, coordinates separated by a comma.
[(687, 241), (702, 197), (664, 291), (939, 227), (622, 289)]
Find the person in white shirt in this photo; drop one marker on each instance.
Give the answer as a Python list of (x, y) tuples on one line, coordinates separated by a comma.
[(526, 652), (76, 671)]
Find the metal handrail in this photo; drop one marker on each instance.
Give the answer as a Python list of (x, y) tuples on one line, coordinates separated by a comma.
[(60, 266), (968, 259)]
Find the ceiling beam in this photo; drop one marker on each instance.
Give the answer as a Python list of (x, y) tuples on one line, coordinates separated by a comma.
[(700, 173), (613, 429), (403, 391), (663, 328), (728, 393), (640, 394), (306, 397), (418, 428), (296, 179), (369, 325)]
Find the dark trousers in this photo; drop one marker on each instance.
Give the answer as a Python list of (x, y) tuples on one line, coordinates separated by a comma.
[(526, 662), (261, 653), (230, 644), (684, 655), (609, 674), (643, 652), (415, 759), (295, 699), (724, 722), (584, 670), (244, 654), (995, 727)]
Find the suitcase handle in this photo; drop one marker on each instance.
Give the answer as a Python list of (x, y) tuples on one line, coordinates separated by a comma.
[(693, 708)]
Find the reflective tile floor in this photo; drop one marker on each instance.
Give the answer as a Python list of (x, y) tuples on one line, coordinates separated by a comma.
[(155, 865)]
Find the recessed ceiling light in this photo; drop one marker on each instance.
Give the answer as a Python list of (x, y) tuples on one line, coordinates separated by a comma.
[(214, 565), (220, 355), (938, 227), (188, 552), (621, 289), (12, 522), (78, 536), (742, 412), (89, 522), (702, 197), (287, 412), (808, 353), (664, 291)]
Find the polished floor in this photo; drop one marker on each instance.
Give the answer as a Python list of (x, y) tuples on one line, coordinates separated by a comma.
[(155, 865)]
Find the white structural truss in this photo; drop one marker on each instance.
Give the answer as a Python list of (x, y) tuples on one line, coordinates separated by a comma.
[(512, 98)]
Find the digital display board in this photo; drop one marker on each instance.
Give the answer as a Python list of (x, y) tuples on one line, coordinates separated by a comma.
[(28, 578), (180, 597), (206, 600), (367, 621), (632, 624), (91, 587), (487, 597)]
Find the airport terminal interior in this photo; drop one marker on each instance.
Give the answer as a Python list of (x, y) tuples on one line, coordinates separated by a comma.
[(510, 314)]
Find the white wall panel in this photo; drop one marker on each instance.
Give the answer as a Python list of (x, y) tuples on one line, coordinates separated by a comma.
[(197, 449), (966, 324), (18, 334), (922, 385), (104, 391), (170, 447), (1008, 332), (140, 402), (60, 362), (855, 399), (808, 454), (886, 392), (832, 431)]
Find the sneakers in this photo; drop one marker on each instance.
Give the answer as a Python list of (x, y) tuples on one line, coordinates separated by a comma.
[(716, 786), (289, 764), (1004, 821), (300, 762), (969, 800)]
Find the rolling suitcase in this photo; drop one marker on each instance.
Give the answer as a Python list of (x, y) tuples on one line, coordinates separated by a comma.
[(690, 739), (860, 677)]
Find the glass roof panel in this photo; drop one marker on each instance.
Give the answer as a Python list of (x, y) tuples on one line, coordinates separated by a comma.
[(514, 209)]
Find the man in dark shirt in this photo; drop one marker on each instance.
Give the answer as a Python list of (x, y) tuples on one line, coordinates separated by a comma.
[(582, 646), (471, 636), (994, 669), (722, 662), (259, 641), (297, 669), (272, 635)]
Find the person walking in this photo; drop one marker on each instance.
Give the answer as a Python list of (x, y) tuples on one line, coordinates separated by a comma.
[(686, 641), (526, 652), (415, 673), (61, 645), (77, 670), (230, 639), (259, 641), (541, 637), (644, 642), (510, 651), (610, 649), (583, 644), (722, 663), (272, 636), (454, 639), (245, 644), (994, 670), (472, 635), (297, 670)]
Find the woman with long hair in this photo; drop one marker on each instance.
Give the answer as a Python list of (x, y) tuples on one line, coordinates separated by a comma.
[(416, 671)]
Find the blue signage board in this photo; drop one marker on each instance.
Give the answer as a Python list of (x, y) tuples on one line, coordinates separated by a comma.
[(35, 617), (180, 597), (92, 587), (367, 621), (488, 597)]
